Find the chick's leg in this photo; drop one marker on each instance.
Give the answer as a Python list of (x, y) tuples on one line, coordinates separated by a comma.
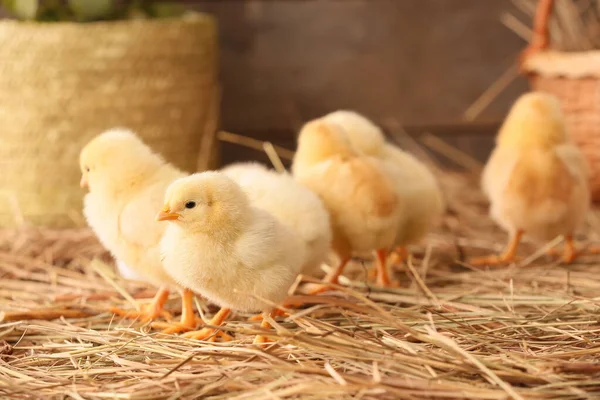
[(148, 312), (397, 257), (260, 339), (333, 277), (383, 273), (505, 258), (212, 333), (188, 318), (570, 253)]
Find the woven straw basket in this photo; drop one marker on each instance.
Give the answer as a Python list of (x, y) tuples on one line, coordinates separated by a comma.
[(63, 83), (574, 77)]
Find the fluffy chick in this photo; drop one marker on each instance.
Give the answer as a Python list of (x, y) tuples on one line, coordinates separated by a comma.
[(291, 203), (217, 244), (357, 190), (126, 183), (417, 187), (536, 179)]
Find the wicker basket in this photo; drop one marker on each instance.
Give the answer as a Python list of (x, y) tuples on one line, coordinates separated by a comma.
[(574, 77), (63, 83)]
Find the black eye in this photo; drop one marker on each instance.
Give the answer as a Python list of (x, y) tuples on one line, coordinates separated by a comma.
[(87, 169), (190, 204)]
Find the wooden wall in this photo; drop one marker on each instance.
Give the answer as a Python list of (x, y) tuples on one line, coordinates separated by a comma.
[(418, 63)]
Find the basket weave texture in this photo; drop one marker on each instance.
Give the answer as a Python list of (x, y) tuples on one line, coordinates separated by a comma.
[(61, 84), (574, 78)]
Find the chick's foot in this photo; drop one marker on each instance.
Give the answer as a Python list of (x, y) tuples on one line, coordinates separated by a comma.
[(399, 255), (212, 333), (506, 258), (146, 313), (262, 340), (149, 311), (492, 260), (570, 252), (208, 334), (275, 314), (188, 319), (332, 278), (314, 289)]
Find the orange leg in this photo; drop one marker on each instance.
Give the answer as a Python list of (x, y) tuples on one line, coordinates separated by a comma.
[(506, 257), (212, 333), (332, 278), (260, 339), (399, 255), (383, 273), (188, 318), (150, 311), (570, 253)]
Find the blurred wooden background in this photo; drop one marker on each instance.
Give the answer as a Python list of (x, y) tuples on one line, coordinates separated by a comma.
[(415, 63), (418, 64)]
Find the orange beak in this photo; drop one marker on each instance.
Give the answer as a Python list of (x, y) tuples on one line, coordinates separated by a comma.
[(166, 215), (83, 182)]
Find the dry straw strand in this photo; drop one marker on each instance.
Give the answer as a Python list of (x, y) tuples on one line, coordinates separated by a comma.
[(523, 333)]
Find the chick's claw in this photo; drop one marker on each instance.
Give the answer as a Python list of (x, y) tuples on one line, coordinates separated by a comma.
[(485, 260), (314, 289), (275, 314), (261, 341), (188, 321), (209, 334), (178, 327), (147, 313)]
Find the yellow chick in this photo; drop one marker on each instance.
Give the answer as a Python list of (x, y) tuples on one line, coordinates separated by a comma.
[(536, 179), (292, 204), (126, 183), (417, 187), (217, 244), (357, 190)]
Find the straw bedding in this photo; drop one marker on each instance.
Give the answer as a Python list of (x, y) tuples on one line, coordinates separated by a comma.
[(450, 332)]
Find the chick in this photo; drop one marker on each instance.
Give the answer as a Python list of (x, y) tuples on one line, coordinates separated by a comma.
[(422, 200), (126, 183), (357, 190), (536, 179), (292, 204), (217, 244)]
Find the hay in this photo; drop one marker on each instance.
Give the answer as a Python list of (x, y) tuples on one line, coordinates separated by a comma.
[(450, 332)]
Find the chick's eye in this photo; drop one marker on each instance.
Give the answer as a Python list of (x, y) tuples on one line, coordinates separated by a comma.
[(190, 204), (87, 169)]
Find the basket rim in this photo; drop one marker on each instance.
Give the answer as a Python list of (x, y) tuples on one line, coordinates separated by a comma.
[(554, 63), (189, 17)]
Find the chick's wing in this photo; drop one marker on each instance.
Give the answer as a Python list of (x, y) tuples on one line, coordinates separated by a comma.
[(497, 171), (361, 186), (137, 221)]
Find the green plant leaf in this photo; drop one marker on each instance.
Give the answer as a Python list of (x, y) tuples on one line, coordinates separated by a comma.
[(166, 10), (22, 9), (91, 9)]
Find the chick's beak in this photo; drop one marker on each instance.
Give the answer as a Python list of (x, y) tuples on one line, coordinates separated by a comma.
[(166, 215), (83, 182)]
